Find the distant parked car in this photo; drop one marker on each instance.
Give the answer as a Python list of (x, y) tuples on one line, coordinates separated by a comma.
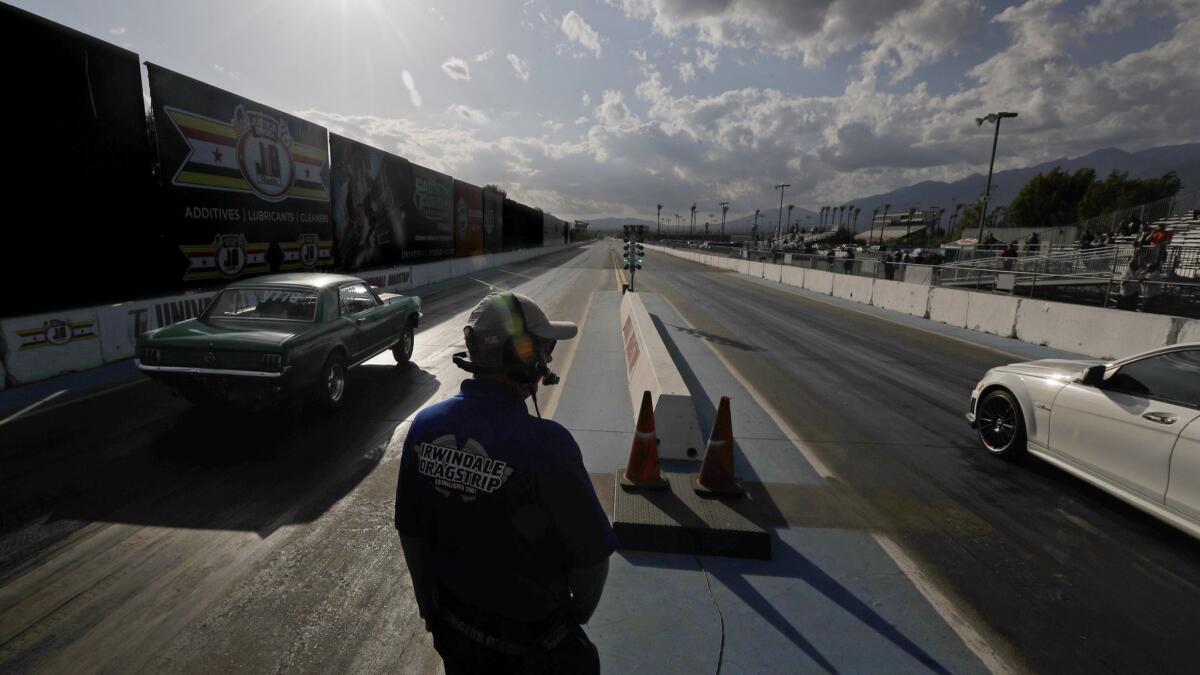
[(271, 336), (1131, 427)]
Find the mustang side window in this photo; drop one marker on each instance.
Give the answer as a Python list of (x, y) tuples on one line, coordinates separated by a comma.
[(356, 298), (1174, 377)]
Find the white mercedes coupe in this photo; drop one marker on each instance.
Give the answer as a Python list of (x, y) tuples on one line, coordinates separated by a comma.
[(1130, 427)]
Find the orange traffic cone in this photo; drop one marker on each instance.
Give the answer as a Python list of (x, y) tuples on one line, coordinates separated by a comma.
[(716, 472), (643, 472)]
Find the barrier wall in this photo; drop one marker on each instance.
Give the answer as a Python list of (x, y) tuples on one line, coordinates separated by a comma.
[(42, 346), (949, 306), (995, 314), (1091, 330), (1094, 331), (853, 288), (650, 368), (901, 297)]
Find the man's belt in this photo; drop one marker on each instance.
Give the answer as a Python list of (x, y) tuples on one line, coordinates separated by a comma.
[(506, 647)]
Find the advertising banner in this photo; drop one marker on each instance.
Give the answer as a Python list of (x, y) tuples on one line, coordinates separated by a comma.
[(45, 345), (79, 161), (522, 226), (433, 215), (493, 221), (387, 210), (553, 230), (245, 186), (468, 220)]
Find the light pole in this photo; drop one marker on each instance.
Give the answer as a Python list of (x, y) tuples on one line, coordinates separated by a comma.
[(660, 220), (754, 230), (692, 223), (782, 187), (993, 118), (883, 223), (724, 210)]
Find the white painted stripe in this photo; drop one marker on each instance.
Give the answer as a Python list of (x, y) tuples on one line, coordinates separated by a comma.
[(971, 637), (31, 406)]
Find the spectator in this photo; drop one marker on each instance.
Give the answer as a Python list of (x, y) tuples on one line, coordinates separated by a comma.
[(1108, 240), (889, 269), (848, 263), (829, 257), (990, 241), (1085, 241), (1008, 254), (1033, 244), (1160, 236), (1143, 235)]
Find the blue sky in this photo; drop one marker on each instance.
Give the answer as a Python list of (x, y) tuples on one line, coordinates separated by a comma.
[(607, 107)]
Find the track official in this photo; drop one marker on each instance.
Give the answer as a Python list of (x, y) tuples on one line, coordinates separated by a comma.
[(504, 538)]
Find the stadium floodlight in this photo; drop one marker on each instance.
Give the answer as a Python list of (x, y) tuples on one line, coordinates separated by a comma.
[(990, 118)]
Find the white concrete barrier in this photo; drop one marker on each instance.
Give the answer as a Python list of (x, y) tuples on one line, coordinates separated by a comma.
[(772, 271), (853, 288), (916, 274), (819, 281), (901, 297), (1095, 331), (650, 368), (754, 269), (1189, 330), (995, 314), (793, 276), (121, 324), (947, 305), (44, 345)]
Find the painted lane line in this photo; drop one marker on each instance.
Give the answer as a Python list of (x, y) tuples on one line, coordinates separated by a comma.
[(515, 274), (568, 359), (966, 631), (31, 406)]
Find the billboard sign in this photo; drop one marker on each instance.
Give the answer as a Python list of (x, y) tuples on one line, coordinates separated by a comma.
[(246, 186), (468, 219), (387, 210), (493, 221)]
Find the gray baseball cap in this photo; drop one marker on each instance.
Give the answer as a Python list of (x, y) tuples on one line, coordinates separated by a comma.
[(496, 319)]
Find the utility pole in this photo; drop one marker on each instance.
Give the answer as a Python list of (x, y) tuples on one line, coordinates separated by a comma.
[(883, 223), (789, 219), (692, 223), (724, 210), (660, 220), (993, 118), (781, 187)]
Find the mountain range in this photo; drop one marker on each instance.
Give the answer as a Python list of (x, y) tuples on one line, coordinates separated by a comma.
[(1183, 159)]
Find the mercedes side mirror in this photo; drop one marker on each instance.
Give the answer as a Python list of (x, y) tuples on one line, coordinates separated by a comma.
[(1094, 376)]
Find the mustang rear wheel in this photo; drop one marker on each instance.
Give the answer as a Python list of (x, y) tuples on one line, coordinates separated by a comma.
[(330, 389), (1000, 424), (404, 348)]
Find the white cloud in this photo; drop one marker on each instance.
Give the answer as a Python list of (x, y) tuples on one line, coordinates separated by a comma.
[(413, 95), (468, 113), (484, 56), (520, 66), (577, 30), (227, 72), (456, 68), (687, 72), (116, 30), (638, 54), (658, 145)]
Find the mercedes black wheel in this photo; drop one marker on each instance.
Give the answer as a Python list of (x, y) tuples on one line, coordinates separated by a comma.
[(1000, 424)]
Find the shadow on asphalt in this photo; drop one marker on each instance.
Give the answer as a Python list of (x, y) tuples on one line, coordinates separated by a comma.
[(221, 469)]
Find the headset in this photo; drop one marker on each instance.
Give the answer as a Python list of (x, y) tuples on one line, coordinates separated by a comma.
[(523, 355)]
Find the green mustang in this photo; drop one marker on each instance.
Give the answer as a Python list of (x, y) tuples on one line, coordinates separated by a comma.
[(280, 334)]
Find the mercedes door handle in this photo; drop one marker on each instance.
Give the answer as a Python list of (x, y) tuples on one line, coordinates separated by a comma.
[(1161, 418)]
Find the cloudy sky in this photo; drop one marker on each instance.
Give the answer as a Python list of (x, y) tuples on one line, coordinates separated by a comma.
[(608, 107)]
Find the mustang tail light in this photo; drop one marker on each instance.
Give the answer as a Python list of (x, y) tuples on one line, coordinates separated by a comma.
[(272, 362)]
